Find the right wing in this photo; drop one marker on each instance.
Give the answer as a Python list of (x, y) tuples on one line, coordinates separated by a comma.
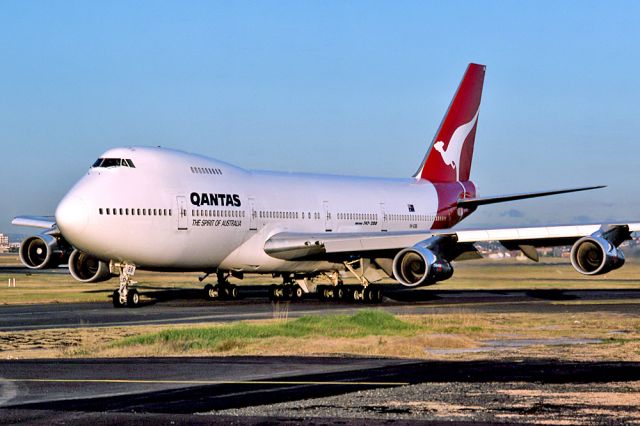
[(452, 243), (45, 222)]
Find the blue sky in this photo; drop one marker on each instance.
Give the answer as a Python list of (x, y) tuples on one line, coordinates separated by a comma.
[(347, 87)]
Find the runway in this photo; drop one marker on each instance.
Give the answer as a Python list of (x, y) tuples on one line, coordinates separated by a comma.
[(188, 306), (39, 392), (313, 390)]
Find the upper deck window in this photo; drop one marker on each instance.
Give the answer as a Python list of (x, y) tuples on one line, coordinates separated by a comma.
[(113, 162)]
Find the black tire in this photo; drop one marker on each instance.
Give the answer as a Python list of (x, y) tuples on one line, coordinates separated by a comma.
[(297, 292), (210, 292), (287, 291), (368, 295), (320, 293), (133, 298), (272, 292), (356, 295), (340, 292), (234, 293), (379, 295), (116, 300)]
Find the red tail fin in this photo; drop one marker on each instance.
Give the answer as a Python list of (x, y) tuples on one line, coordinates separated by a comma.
[(449, 156)]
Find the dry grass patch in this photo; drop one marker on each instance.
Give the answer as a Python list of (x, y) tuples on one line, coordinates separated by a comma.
[(368, 333)]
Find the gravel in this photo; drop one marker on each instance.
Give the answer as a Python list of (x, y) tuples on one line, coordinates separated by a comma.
[(509, 402)]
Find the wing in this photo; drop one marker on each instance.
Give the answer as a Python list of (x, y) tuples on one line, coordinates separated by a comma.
[(453, 243), (45, 222)]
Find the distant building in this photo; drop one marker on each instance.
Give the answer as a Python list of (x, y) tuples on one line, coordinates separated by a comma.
[(4, 243)]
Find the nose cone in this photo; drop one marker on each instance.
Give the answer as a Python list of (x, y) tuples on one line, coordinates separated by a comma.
[(72, 216)]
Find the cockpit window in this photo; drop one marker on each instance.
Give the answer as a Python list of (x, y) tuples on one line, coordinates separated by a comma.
[(113, 162)]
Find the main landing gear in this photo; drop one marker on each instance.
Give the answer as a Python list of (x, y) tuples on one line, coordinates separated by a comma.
[(290, 289), (350, 293), (125, 296), (223, 290), (363, 293)]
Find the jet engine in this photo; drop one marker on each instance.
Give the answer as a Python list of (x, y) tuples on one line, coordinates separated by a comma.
[(417, 265), (88, 269), (43, 251), (595, 255)]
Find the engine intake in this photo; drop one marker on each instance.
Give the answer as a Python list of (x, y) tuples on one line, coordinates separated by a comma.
[(417, 265), (43, 251), (88, 269), (595, 255)]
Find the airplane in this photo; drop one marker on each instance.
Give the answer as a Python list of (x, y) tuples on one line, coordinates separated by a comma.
[(158, 209)]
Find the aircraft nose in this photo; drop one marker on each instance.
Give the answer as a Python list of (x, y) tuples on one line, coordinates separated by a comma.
[(72, 216)]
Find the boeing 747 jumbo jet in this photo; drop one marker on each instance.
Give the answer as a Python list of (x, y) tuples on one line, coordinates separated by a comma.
[(164, 210)]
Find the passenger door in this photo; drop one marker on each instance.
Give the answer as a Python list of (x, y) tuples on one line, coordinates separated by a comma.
[(183, 219)]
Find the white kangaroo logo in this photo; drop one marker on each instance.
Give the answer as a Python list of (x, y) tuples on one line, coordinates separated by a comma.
[(451, 156)]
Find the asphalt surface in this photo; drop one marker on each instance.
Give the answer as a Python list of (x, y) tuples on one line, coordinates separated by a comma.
[(316, 390), (188, 306), (76, 391)]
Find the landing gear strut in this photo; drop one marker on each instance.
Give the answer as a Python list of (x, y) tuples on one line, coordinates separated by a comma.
[(222, 290), (124, 296)]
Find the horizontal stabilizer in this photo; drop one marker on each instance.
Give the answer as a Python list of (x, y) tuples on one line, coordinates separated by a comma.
[(474, 202)]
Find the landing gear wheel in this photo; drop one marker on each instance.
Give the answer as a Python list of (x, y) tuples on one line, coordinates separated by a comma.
[(133, 298), (358, 294), (340, 292), (116, 300), (287, 292), (377, 294), (279, 292), (320, 289), (297, 292), (272, 292), (211, 292), (233, 292), (368, 295)]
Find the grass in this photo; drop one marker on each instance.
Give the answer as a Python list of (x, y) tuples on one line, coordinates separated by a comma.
[(366, 333), (222, 338)]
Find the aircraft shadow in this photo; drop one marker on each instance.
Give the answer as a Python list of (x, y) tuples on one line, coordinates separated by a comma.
[(204, 398)]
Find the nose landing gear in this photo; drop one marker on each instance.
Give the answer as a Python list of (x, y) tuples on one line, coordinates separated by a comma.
[(124, 296)]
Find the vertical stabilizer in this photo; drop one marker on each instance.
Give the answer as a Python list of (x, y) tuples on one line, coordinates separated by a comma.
[(449, 156)]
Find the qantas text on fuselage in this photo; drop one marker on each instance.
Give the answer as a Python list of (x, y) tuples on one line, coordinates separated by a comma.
[(162, 209)]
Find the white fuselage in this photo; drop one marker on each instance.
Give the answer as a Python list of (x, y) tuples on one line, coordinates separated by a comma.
[(178, 211)]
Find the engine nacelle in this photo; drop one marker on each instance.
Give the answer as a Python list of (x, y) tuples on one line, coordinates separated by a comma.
[(43, 251), (417, 265), (88, 269), (595, 255)]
